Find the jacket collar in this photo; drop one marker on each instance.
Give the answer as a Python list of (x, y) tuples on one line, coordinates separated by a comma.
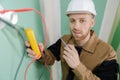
[(90, 46)]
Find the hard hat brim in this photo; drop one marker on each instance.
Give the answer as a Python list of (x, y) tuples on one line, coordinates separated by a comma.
[(76, 12)]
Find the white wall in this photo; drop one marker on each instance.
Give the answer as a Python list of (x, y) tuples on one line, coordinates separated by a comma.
[(51, 11), (108, 19)]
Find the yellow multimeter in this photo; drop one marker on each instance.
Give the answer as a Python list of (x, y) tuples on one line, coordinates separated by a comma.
[(32, 40)]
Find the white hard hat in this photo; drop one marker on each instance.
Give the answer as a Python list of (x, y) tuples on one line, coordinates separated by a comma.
[(81, 6)]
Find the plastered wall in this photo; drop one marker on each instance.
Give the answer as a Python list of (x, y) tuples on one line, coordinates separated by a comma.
[(12, 46)]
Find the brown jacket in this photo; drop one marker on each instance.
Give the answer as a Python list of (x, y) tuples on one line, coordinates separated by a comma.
[(93, 54)]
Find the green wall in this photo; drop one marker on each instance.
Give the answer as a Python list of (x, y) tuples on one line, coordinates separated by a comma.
[(100, 7), (114, 38), (11, 44), (12, 47), (64, 19)]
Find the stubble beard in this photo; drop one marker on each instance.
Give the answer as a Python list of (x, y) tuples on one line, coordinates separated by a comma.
[(80, 39)]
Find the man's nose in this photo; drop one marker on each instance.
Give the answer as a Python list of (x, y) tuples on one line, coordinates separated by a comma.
[(77, 25)]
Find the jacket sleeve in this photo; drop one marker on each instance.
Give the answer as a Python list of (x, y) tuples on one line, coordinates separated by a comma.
[(52, 53), (82, 73), (107, 70)]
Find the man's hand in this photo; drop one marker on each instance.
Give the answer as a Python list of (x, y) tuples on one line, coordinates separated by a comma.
[(71, 56), (30, 52)]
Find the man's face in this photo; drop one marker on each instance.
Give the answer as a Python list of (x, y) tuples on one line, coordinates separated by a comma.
[(80, 25)]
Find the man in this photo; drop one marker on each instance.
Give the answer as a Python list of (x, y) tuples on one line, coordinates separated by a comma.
[(83, 55)]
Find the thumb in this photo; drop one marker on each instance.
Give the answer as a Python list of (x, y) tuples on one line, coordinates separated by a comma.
[(41, 47)]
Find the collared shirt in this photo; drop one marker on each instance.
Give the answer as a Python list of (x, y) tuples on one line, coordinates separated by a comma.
[(94, 53)]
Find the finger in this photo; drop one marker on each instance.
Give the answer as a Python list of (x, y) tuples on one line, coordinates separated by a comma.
[(66, 53), (31, 52), (31, 56), (69, 61), (70, 46), (69, 56), (66, 59), (69, 51), (41, 47), (27, 44)]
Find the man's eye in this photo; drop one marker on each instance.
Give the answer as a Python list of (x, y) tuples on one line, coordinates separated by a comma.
[(82, 21), (72, 21)]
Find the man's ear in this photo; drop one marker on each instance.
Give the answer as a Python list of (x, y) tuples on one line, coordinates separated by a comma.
[(92, 22)]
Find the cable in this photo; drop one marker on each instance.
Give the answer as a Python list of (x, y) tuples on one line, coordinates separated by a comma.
[(16, 10), (21, 60), (36, 11), (45, 35), (28, 67), (43, 56), (45, 27), (45, 42)]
